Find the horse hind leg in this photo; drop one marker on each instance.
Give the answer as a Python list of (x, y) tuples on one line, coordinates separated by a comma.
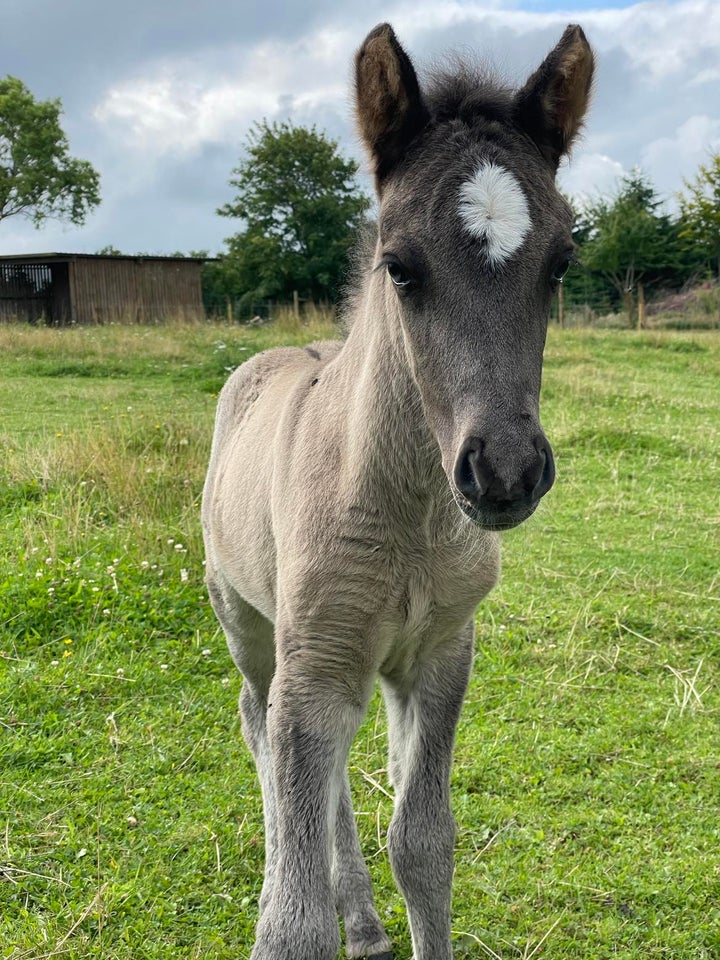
[(253, 715), (365, 935), (250, 640), (422, 721)]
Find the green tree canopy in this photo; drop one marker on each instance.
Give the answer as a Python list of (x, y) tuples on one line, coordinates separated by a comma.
[(301, 207), (700, 210), (628, 239), (38, 177)]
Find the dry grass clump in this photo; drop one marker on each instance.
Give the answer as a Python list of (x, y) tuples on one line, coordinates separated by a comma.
[(138, 475), (312, 319)]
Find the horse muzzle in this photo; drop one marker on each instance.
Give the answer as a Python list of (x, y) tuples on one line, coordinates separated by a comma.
[(496, 491)]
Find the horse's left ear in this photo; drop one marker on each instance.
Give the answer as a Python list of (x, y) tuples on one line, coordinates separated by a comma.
[(552, 104)]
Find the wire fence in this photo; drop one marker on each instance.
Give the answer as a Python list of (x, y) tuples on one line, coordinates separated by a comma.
[(642, 307)]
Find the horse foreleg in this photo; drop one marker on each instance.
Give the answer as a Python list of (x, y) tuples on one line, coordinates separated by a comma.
[(364, 933), (311, 722), (422, 720)]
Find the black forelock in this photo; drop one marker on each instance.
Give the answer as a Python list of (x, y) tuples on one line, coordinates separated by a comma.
[(468, 92)]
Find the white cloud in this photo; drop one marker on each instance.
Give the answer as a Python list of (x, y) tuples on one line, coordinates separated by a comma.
[(590, 176), (212, 98), (667, 39), (669, 160), (171, 112), (710, 75), (181, 106)]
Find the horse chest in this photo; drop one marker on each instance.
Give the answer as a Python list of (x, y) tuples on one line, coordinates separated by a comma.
[(434, 593)]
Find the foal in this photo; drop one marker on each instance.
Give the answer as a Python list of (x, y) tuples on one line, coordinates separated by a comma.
[(356, 490)]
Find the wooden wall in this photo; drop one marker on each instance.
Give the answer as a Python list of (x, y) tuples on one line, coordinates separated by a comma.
[(115, 290)]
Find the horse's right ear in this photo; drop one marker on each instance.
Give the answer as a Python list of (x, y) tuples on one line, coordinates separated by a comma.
[(390, 107)]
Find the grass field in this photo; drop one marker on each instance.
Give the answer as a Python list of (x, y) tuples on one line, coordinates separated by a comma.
[(587, 775)]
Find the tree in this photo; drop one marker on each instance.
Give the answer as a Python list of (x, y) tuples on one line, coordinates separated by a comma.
[(581, 286), (38, 177), (301, 208), (629, 241), (700, 210)]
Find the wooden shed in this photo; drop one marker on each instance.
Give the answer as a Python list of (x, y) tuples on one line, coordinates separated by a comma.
[(64, 288)]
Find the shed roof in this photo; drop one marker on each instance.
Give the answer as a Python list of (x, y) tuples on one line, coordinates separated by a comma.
[(46, 257)]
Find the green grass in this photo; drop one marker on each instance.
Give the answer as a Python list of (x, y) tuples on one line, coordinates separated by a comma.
[(587, 776)]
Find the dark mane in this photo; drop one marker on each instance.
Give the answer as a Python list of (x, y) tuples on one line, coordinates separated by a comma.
[(469, 92)]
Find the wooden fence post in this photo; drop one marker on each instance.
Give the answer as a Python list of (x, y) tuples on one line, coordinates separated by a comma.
[(561, 306), (296, 305), (641, 307)]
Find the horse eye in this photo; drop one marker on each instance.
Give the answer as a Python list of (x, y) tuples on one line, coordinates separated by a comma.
[(558, 274), (398, 275)]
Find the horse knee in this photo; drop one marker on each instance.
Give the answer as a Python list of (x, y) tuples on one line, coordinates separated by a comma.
[(421, 849), (252, 717)]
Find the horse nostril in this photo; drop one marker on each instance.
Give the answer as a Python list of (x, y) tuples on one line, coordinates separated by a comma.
[(547, 473), (470, 474)]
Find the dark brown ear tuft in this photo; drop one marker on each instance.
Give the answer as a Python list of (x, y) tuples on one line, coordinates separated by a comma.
[(553, 102), (390, 107)]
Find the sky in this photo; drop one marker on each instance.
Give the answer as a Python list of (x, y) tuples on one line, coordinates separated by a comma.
[(159, 95)]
